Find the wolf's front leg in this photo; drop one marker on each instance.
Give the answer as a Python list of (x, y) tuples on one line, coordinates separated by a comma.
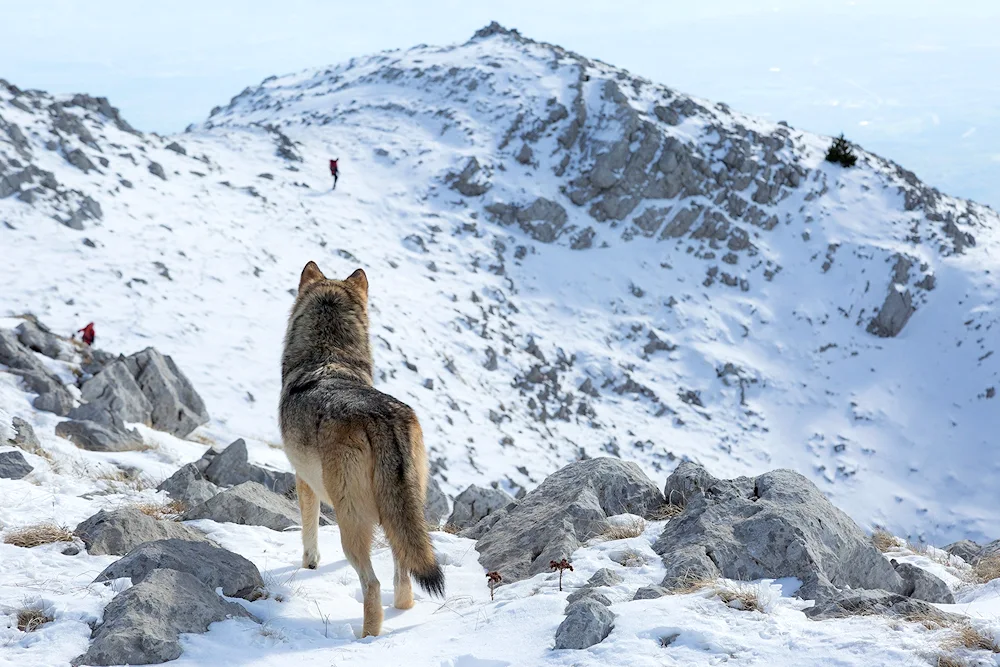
[(309, 507)]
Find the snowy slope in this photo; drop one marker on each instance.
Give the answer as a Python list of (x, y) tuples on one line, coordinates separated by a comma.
[(622, 270)]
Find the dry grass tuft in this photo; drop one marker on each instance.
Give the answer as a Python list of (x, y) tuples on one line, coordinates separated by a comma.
[(30, 619), (883, 540), (987, 569), (450, 528), (170, 510), (665, 512), (691, 584), (628, 529), (744, 598), (37, 535), (950, 661), (975, 639), (120, 480)]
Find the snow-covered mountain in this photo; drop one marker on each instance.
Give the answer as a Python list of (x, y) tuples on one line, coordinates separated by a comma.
[(565, 260)]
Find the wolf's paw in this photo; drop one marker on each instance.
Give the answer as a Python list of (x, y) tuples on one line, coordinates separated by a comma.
[(310, 559)]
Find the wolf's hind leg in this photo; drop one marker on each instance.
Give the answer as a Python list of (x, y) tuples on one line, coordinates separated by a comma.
[(309, 507), (356, 537), (402, 593)]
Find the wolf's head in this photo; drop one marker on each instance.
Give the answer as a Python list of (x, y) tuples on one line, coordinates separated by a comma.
[(329, 323)]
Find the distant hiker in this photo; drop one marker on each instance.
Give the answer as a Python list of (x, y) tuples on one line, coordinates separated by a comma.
[(88, 334), (334, 171)]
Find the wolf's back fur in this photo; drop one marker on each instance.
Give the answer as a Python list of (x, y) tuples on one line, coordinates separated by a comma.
[(353, 446)]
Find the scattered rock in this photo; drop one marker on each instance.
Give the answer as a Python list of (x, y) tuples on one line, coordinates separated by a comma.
[(587, 623), (96, 437), (124, 529), (922, 585), (470, 182), (43, 341), (569, 507), (24, 436), (248, 504), (589, 593), (211, 565), (650, 593), (189, 486), (177, 148), (436, 506), (475, 503), (876, 602), (231, 467), (142, 625), (176, 406), (13, 465), (52, 395), (605, 577), (967, 550), (775, 525), (894, 314), (156, 169), (113, 396)]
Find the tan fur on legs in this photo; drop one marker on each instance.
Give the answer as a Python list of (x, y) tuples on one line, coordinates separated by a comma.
[(347, 470), (357, 541), (309, 507), (402, 587)]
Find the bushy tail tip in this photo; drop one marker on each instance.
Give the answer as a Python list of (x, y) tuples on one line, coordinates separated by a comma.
[(432, 580)]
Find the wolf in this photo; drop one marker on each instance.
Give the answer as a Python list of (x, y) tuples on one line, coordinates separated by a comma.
[(352, 446)]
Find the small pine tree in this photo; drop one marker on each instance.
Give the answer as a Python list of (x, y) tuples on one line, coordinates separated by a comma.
[(841, 152)]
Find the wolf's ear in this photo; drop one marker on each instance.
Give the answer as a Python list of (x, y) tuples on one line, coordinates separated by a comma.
[(359, 281), (310, 274)]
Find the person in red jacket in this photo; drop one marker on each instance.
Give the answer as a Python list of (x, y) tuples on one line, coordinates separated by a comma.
[(88, 334), (334, 171)]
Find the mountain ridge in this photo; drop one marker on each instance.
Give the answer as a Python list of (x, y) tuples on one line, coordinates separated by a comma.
[(667, 276)]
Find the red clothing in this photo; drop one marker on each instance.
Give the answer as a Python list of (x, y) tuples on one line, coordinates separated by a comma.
[(88, 334), (333, 167)]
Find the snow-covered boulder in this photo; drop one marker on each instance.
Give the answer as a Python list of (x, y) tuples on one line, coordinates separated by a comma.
[(475, 503), (96, 437), (143, 624), (124, 529), (775, 525), (587, 622), (211, 565), (249, 504), (569, 507)]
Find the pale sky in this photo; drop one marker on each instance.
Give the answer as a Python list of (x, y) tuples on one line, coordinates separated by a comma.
[(917, 81)]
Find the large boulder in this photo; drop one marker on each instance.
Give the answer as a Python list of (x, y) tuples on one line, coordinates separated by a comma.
[(922, 585), (569, 507), (52, 395), (122, 530), (189, 486), (895, 312), (211, 565), (771, 526), (231, 467), (176, 406), (113, 396), (39, 339), (96, 437), (142, 625), (587, 622), (475, 503), (436, 506), (248, 504), (13, 465)]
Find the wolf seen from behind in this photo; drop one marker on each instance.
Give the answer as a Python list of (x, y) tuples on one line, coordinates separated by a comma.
[(352, 446)]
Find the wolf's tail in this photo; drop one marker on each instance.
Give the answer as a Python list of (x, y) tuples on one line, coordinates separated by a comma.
[(401, 493)]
